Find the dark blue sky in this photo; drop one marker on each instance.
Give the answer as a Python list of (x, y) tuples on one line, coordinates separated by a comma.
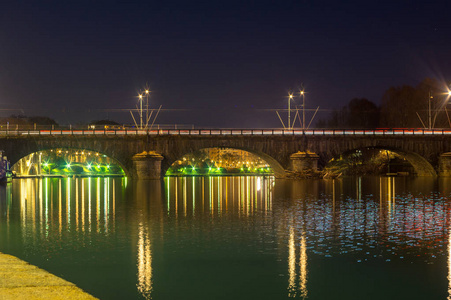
[(222, 61)]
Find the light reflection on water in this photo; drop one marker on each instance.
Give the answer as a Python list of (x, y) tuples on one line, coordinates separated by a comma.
[(346, 225), (65, 205), (141, 236), (243, 195)]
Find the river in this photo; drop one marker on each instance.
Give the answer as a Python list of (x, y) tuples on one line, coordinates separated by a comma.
[(250, 237)]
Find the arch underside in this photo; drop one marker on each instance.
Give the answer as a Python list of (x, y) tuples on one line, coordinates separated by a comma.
[(276, 167), (421, 166), (33, 170)]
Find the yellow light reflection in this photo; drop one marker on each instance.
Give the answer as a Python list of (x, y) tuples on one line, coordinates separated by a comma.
[(46, 209), (245, 195), (144, 262), (297, 282), (291, 265), (303, 268)]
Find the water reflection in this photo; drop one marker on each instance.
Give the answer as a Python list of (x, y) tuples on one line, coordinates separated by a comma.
[(216, 195), (65, 205), (338, 224), (144, 262), (295, 224), (147, 199), (297, 266)]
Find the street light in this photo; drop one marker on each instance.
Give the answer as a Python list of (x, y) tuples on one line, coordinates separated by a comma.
[(140, 111), (429, 110), (142, 123), (442, 106), (147, 92), (302, 94), (290, 97)]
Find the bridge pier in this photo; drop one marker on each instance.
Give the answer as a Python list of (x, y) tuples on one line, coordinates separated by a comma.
[(444, 164), (304, 161), (147, 165)]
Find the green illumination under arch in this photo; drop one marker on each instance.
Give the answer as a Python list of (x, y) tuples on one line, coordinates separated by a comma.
[(219, 161), (67, 162)]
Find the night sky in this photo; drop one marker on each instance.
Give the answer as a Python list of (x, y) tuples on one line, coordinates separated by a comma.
[(213, 64)]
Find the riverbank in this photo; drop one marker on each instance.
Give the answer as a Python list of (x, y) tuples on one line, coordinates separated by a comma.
[(20, 280)]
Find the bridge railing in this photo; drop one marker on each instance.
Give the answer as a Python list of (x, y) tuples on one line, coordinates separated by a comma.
[(216, 132)]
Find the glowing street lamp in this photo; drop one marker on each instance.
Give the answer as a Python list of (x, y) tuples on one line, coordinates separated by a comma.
[(142, 123), (302, 94), (442, 106), (140, 111), (290, 97)]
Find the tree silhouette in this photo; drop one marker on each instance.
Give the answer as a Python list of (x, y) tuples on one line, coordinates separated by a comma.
[(358, 113)]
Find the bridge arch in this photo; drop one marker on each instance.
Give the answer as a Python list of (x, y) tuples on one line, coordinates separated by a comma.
[(421, 166), (35, 162), (277, 169)]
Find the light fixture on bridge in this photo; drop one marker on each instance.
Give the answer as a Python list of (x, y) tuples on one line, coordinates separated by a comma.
[(144, 120), (303, 123), (290, 97), (302, 94)]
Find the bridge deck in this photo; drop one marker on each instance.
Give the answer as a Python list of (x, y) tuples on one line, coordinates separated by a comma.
[(207, 132)]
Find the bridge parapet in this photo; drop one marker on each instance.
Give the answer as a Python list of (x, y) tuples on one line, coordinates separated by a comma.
[(227, 132)]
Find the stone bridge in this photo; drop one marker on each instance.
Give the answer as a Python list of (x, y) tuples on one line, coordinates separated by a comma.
[(280, 148)]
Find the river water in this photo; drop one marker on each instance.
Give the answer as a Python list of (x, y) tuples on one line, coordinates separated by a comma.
[(235, 237)]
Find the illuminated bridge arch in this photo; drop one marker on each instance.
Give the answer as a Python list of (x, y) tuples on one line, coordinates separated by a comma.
[(67, 161), (277, 169), (421, 166)]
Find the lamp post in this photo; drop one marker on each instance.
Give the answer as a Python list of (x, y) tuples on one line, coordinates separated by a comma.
[(147, 92), (140, 111), (442, 106), (143, 123), (429, 110), (446, 110), (302, 94), (290, 96)]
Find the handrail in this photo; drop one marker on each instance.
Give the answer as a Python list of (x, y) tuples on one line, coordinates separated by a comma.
[(233, 132)]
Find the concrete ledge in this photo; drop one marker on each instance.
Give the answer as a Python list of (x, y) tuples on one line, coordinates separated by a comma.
[(20, 280)]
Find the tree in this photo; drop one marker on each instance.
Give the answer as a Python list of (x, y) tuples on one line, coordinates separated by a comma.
[(358, 113), (104, 122), (42, 120), (362, 114), (408, 107), (22, 120)]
